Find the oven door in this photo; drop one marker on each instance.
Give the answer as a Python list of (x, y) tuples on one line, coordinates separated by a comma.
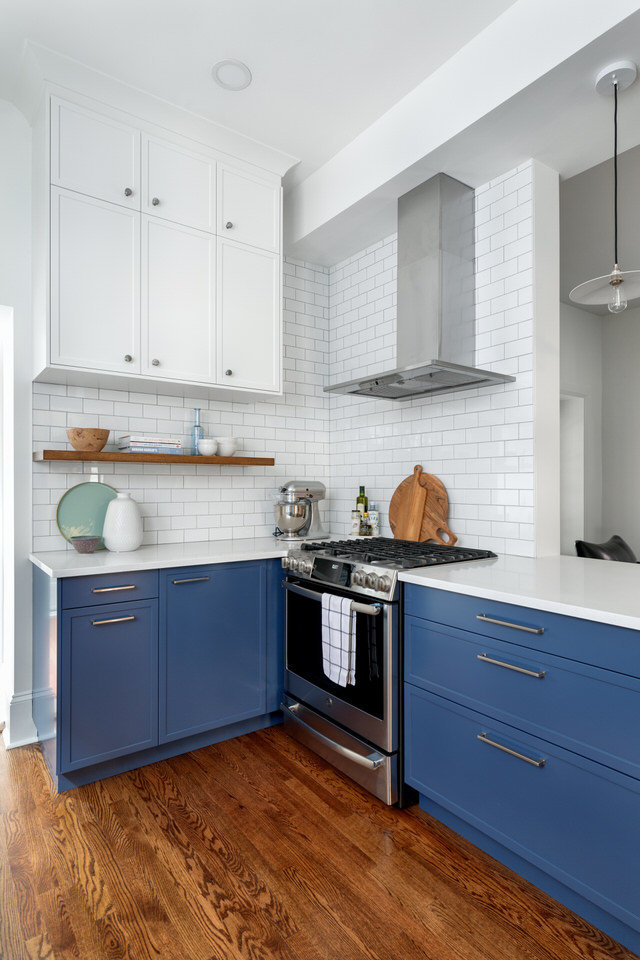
[(369, 707)]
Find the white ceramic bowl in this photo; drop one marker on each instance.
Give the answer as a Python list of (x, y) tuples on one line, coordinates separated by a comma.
[(207, 446), (227, 446)]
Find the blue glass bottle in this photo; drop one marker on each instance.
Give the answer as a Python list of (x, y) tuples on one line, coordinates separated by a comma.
[(197, 432)]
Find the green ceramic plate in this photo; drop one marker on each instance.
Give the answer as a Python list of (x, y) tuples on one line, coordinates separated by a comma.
[(82, 509)]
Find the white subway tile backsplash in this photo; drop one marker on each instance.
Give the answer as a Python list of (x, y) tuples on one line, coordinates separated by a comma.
[(339, 323)]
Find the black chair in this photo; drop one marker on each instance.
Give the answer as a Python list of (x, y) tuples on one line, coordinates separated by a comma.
[(613, 549)]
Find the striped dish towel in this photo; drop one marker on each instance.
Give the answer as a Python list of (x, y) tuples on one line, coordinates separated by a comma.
[(338, 640)]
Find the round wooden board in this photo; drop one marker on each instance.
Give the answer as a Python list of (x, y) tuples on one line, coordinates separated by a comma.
[(436, 509)]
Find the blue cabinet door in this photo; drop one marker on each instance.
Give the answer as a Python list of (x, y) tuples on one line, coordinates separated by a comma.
[(275, 635), (212, 647), (108, 693)]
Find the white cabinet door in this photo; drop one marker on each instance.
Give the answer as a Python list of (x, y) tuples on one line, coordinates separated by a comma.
[(179, 185), (248, 208), (95, 283), (248, 317), (94, 154), (178, 301)]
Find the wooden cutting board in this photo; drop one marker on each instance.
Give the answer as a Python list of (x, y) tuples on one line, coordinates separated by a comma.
[(419, 509)]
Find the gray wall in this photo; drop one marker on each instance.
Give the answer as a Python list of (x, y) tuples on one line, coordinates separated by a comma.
[(621, 427), (586, 221)]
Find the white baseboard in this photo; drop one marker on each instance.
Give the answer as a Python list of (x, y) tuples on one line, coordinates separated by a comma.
[(20, 729)]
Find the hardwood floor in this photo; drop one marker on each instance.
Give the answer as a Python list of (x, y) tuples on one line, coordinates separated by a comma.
[(254, 848)]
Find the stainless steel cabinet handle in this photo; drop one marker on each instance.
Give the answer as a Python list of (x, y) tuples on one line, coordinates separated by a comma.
[(535, 762), (129, 586), (155, 201), (100, 623), (229, 225), (371, 609), (507, 623), (372, 762), (128, 358), (539, 674), (155, 363), (128, 192), (191, 580), (228, 373)]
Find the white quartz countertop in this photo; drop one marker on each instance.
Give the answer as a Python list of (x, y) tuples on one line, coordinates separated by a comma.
[(68, 563), (600, 590)]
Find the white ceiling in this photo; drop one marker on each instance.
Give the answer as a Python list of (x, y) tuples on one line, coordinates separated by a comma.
[(323, 70)]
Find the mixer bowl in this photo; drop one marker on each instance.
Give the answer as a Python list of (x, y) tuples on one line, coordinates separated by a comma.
[(291, 517)]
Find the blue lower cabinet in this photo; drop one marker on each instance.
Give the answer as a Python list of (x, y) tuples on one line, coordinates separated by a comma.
[(575, 820), (108, 682), (213, 645)]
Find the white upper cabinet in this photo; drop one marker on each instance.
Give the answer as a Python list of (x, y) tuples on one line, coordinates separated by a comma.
[(94, 154), (248, 317), (249, 207), (178, 184), (95, 286), (178, 301)]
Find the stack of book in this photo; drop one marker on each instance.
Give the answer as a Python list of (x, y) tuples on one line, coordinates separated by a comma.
[(138, 444)]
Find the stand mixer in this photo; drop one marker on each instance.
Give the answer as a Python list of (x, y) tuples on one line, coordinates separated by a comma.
[(297, 512)]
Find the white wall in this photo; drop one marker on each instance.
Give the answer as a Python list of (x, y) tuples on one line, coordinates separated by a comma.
[(621, 427), (479, 442), (15, 259), (581, 375), (184, 503)]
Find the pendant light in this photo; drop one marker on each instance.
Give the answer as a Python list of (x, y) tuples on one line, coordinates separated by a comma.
[(618, 287)]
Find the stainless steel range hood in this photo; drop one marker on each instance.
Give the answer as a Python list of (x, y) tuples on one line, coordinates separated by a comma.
[(436, 329)]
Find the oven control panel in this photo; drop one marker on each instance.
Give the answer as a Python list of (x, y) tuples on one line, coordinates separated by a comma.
[(363, 579)]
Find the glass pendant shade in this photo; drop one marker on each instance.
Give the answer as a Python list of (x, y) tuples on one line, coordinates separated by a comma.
[(601, 292), (615, 289)]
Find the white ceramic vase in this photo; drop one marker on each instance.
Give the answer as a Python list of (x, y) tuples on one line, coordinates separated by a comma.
[(122, 525)]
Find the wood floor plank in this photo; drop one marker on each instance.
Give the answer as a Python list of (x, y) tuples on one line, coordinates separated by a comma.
[(255, 849)]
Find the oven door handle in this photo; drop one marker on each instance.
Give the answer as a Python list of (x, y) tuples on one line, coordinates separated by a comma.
[(370, 609), (372, 762)]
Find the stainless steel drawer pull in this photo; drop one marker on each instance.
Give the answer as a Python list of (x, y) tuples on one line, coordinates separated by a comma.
[(100, 623), (539, 674), (372, 762), (129, 586), (191, 580), (506, 623), (512, 753), (370, 609)]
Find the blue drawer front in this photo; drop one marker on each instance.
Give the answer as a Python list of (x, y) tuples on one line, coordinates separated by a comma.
[(594, 712), (109, 588), (109, 680), (573, 819), (584, 640)]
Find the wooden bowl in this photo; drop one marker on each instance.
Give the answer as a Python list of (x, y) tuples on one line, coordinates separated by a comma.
[(87, 439)]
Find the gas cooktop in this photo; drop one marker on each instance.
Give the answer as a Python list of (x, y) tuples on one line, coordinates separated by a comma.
[(395, 554), (370, 566)]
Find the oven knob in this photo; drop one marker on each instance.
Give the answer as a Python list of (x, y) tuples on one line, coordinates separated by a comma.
[(305, 566), (293, 564), (371, 581), (285, 563), (357, 578), (384, 583)]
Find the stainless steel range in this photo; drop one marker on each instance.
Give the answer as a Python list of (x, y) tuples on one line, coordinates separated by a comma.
[(356, 727)]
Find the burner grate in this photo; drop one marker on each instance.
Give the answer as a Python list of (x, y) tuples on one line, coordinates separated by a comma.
[(383, 551)]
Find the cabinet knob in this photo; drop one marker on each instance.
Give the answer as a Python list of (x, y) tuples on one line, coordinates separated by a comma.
[(155, 363), (228, 373), (228, 225), (128, 358), (155, 201), (128, 192)]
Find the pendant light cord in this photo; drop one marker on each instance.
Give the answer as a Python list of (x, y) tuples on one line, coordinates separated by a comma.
[(615, 170)]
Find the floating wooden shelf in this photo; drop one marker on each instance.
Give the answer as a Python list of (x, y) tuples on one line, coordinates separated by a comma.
[(115, 456)]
